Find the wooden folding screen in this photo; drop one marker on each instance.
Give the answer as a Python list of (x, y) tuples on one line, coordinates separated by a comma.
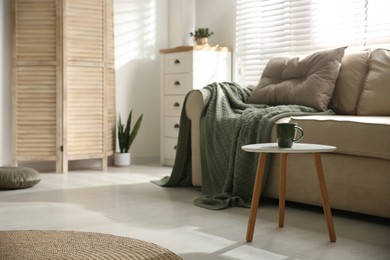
[(63, 81)]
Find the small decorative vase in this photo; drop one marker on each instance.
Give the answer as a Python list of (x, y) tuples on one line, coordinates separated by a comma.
[(122, 159), (202, 41)]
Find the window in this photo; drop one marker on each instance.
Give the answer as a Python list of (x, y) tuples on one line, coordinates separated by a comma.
[(268, 28)]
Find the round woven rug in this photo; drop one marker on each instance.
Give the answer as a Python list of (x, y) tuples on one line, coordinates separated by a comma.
[(35, 244)]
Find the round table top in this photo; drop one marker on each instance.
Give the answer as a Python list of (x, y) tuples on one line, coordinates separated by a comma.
[(296, 148)]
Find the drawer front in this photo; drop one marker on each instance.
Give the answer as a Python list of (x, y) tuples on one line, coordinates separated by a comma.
[(170, 145), (177, 83), (173, 105), (178, 62), (171, 126)]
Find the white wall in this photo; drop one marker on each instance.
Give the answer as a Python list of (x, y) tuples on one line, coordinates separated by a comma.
[(181, 21), (5, 82), (219, 17), (142, 28)]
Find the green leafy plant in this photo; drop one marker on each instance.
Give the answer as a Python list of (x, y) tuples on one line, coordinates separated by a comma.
[(126, 136), (201, 33)]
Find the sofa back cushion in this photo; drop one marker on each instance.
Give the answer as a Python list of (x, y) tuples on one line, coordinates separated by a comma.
[(375, 96), (349, 84), (309, 81)]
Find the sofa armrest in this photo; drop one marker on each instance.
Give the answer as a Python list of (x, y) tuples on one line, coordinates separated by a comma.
[(193, 108)]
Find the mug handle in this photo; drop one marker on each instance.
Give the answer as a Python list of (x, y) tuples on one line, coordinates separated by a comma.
[(301, 130)]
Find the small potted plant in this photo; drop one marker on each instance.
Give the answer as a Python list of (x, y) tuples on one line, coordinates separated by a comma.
[(201, 35), (126, 136)]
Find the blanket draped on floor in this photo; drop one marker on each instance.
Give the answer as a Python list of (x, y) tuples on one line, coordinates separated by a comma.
[(228, 122)]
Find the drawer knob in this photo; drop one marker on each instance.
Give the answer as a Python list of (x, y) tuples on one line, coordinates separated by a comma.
[(175, 147), (176, 104), (176, 126), (176, 61), (177, 83)]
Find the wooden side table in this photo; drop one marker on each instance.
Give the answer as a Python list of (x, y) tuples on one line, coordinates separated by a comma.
[(265, 148)]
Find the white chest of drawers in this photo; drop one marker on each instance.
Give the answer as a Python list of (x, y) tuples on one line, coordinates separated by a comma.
[(183, 69)]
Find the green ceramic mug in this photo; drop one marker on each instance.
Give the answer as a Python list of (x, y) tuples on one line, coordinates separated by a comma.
[(286, 134)]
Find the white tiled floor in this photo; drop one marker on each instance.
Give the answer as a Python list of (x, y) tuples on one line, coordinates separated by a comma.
[(124, 202)]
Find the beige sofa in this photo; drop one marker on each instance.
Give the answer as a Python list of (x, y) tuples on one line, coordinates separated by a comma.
[(358, 173)]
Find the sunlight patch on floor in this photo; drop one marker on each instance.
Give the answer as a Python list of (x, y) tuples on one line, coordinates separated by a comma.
[(252, 253)]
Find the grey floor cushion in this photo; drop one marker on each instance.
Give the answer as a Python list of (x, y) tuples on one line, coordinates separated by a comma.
[(18, 177)]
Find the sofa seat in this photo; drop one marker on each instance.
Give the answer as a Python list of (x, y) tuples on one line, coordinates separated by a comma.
[(367, 136), (357, 173)]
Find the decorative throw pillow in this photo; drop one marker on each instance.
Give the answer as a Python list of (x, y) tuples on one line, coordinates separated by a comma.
[(18, 177), (350, 82), (309, 81), (374, 99)]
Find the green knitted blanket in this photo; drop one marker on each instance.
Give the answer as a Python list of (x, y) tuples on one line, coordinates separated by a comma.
[(228, 122)]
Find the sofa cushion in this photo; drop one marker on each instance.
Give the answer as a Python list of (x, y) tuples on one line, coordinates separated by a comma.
[(374, 100), (354, 135), (309, 81), (349, 84)]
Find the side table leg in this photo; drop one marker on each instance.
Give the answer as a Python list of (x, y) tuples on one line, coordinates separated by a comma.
[(256, 196), (324, 197), (282, 187)]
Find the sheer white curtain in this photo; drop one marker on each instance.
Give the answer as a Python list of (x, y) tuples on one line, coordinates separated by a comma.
[(268, 28)]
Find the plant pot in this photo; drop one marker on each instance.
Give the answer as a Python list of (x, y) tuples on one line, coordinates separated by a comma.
[(202, 41), (122, 159)]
